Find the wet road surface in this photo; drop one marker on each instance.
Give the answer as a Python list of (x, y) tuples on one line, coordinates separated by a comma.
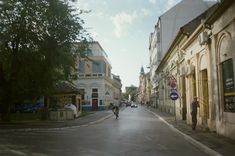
[(136, 133)]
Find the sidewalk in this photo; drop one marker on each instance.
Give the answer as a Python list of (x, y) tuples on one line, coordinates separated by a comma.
[(42, 125), (209, 142)]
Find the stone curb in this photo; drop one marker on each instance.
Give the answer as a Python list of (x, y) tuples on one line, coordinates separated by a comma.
[(196, 143), (57, 128)]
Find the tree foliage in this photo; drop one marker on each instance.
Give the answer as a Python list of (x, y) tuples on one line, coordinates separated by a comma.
[(132, 91), (36, 48)]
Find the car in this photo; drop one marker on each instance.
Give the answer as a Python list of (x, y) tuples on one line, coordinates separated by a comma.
[(128, 104), (27, 107), (134, 105)]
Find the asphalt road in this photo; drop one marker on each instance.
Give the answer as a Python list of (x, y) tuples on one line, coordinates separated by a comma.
[(136, 133)]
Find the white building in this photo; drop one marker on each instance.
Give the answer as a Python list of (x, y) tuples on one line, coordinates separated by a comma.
[(100, 87)]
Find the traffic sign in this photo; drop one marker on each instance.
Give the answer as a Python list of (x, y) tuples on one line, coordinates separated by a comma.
[(173, 83), (174, 96)]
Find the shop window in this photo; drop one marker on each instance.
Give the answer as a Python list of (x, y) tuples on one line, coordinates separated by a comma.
[(228, 85), (82, 94)]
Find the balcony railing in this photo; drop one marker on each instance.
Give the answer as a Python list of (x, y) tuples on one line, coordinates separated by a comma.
[(91, 75)]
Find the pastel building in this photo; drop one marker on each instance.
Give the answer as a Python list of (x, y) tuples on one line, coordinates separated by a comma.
[(100, 87)]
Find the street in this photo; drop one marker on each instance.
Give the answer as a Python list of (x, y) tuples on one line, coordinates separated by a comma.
[(137, 132)]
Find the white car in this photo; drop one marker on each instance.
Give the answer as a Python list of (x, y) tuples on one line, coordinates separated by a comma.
[(72, 107)]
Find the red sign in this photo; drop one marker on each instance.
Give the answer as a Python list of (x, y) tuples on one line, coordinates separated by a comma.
[(173, 83)]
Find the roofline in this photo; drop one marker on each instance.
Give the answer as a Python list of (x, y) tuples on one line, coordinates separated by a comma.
[(221, 8), (191, 37)]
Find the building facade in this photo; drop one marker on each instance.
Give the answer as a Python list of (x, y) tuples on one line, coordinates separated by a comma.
[(95, 79), (210, 70), (201, 62), (164, 33), (143, 93), (220, 29)]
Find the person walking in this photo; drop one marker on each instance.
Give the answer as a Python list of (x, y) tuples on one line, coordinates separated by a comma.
[(194, 106)]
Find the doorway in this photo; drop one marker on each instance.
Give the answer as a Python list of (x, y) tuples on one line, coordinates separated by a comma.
[(205, 97), (94, 104), (184, 106)]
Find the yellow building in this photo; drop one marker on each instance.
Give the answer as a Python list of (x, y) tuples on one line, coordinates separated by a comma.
[(65, 94), (201, 60)]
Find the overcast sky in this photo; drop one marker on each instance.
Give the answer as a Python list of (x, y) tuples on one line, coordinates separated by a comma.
[(122, 28)]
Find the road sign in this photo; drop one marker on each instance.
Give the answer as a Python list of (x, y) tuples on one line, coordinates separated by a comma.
[(174, 96), (173, 83)]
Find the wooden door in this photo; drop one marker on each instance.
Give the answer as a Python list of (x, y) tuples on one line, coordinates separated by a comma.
[(94, 104)]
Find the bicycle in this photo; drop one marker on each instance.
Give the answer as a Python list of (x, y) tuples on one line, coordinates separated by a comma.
[(116, 112)]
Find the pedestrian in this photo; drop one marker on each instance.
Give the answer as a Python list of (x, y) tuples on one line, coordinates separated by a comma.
[(194, 106)]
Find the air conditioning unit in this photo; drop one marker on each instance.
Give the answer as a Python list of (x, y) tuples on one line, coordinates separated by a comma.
[(203, 38)]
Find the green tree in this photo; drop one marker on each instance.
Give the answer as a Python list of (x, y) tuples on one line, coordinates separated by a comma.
[(36, 48), (132, 91)]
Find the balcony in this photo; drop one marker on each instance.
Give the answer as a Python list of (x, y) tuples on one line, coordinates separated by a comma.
[(91, 75)]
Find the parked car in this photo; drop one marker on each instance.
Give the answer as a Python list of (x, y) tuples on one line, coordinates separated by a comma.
[(27, 107), (134, 105)]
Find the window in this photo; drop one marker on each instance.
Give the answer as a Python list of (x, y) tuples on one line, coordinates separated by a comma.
[(94, 93), (95, 90), (228, 85), (89, 53), (83, 94), (98, 67), (81, 67), (101, 102)]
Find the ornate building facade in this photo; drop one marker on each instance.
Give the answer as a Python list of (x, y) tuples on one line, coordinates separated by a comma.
[(101, 88)]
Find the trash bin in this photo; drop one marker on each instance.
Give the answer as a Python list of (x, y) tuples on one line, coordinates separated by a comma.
[(59, 114), (69, 114)]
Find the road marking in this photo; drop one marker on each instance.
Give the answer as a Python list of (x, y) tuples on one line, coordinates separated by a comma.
[(17, 152), (148, 138)]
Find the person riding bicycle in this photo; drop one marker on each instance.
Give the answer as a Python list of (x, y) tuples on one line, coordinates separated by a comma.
[(115, 110)]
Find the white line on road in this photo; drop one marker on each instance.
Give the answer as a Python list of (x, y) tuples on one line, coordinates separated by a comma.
[(196, 143)]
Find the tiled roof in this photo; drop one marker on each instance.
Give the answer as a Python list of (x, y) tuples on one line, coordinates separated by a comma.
[(66, 87)]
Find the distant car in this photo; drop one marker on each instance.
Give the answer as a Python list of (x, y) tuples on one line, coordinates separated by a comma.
[(128, 104), (134, 105)]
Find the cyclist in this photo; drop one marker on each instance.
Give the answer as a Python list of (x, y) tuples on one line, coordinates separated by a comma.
[(115, 110)]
